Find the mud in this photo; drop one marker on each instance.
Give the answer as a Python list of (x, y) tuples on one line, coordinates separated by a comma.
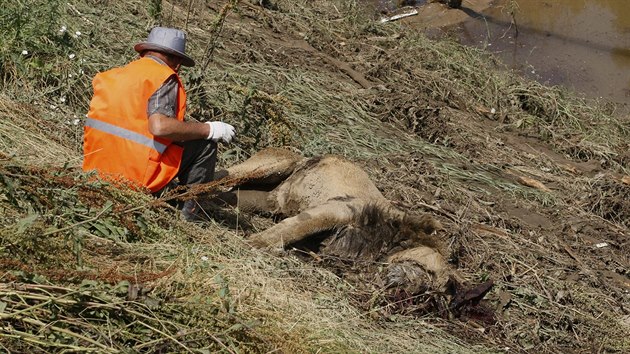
[(431, 14), (610, 199), (582, 45), (558, 257), (579, 44)]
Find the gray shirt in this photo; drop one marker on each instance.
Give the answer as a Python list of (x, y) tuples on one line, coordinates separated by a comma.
[(164, 99)]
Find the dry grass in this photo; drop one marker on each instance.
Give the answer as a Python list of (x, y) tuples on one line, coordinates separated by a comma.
[(270, 73), (165, 289)]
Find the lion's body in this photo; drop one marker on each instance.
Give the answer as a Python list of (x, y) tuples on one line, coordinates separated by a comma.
[(331, 206), (334, 196), (318, 181), (302, 183)]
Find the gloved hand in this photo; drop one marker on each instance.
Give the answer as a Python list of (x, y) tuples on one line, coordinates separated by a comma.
[(220, 131)]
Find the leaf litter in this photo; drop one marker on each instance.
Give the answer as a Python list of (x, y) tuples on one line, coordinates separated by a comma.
[(527, 180)]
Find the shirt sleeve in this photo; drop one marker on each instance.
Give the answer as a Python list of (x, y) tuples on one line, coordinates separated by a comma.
[(164, 99)]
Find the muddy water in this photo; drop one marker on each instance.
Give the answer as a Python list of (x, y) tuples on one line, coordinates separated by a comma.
[(583, 45)]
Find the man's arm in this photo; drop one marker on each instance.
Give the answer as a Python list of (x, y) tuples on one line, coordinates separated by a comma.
[(167, 127), (162, 108), (162, 123)]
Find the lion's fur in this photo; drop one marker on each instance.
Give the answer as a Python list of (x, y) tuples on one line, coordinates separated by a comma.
[(373, 234), (333, 197)]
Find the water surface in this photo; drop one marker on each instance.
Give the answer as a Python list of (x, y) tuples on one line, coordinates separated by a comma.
[(581, 44)]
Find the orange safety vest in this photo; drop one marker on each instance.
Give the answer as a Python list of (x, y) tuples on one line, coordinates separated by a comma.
[(117, 142)]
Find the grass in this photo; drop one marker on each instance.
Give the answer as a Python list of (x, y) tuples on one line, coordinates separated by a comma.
[(89, 267), (71, 286)]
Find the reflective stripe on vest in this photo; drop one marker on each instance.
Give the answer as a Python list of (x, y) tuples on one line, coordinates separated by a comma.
[(125, 134)]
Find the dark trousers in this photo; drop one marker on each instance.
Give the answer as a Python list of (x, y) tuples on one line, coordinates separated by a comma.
[(198, 162)]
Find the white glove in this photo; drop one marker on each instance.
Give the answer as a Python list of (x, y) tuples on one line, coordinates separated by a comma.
[(220, 131)]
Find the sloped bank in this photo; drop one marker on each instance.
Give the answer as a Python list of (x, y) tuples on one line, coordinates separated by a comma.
[(440, 131)]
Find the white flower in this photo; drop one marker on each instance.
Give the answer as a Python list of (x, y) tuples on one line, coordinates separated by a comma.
[(62, 99), (493, 111), (76, 122), (63, 29), (204, 258), (71, 56), (69, 75), (77, 33), (25, 52)]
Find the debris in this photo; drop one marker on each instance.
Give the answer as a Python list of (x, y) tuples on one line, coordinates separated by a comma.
[(601, 245), (530, 182), (504, 300), (472, 296), (569, 168), (568, 250), (527, 181), (485, 111), (399, 16), (535, 129), (560, 295), (490, 230)]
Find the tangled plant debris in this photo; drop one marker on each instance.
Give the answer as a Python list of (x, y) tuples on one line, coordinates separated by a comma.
[(528, 180)]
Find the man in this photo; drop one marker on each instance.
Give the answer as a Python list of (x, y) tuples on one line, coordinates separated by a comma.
[(135, 129)]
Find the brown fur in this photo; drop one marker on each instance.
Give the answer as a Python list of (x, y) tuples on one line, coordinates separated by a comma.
[(372, 234), (333, 201)]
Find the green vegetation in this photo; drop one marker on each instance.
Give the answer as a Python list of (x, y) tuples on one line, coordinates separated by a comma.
[(89, 267)]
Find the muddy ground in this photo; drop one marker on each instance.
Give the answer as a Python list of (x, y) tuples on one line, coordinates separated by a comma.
[(531, 186), (547, 222)]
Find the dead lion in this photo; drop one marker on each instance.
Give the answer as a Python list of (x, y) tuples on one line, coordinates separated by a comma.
[(331, 205)]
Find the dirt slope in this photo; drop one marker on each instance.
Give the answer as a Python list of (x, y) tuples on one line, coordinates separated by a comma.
[(531, 183), (530, 201)]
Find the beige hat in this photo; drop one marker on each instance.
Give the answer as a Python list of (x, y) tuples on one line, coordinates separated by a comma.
[(166, 40)]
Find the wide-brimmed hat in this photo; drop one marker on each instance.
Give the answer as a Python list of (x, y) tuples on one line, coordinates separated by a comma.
[(166, 40)]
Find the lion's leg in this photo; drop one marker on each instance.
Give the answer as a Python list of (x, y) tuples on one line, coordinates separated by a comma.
[(418, 267), (309, 222), (248, 200), (268, 166), (428, 257)]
